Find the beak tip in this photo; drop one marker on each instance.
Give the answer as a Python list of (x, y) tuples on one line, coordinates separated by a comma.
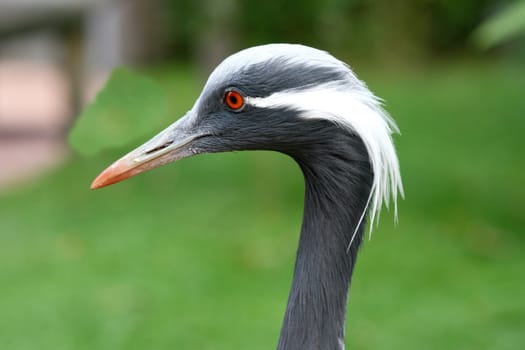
[(94, 185), (118, 171), (106, 178), (98, 183)]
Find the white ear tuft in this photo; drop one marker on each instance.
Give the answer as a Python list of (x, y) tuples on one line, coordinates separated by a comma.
[(354, 107)]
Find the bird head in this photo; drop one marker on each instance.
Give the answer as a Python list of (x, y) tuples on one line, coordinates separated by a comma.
[(274, 97)]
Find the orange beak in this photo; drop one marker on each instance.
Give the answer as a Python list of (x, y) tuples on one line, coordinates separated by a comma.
[(116, 172), (168, 146), (124, 168)]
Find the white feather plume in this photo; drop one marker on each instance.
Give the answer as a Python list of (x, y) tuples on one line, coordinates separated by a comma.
[(359, 110)]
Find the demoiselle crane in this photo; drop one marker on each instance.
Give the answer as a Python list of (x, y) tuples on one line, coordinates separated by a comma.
[(309, 105)]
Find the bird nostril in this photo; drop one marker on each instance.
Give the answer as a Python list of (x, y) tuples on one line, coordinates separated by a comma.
[(161, 147)]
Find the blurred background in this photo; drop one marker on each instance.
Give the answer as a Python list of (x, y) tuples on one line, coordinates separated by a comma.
[(199, 255)]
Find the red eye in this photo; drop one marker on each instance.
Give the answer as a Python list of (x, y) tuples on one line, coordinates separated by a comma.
[(234, 100)]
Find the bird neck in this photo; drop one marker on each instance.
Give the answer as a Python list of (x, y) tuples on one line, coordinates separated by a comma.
[(337, 187)]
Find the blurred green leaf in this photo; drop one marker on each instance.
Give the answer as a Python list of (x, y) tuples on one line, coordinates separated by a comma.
[(131, 105), (503, 26)]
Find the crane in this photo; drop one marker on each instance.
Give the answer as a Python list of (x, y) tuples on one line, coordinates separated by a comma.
[(307, 104)]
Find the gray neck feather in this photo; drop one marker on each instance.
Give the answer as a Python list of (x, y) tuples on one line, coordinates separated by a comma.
[(337, 185)]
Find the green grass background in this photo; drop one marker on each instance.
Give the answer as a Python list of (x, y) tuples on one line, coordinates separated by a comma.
[(199, 254)]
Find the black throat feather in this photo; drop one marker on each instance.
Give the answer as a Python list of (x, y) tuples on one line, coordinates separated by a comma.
[(338, 180)]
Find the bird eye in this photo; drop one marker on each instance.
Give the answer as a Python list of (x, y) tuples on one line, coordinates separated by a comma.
[(234, 100)]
